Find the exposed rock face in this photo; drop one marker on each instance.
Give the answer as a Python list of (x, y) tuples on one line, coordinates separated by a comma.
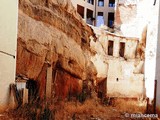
[(67, 84), (51, 33)]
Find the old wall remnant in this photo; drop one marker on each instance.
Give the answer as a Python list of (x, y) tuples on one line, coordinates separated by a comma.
[(123, 66), (122, 69), (131, 17), (144, 25), (51, 33)]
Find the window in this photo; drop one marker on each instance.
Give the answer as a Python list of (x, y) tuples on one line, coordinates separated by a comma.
[(89, 16), (111, 3), (80, 10), (110, 19), (100, 13), (110, 47), (100, 19), (122, 49), (90, 1), (101, 3)]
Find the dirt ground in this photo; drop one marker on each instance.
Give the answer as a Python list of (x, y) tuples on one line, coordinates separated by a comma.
[(91, 109)]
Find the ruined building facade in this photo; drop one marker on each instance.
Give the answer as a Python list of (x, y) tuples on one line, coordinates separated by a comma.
[(125, 70), (143, 15), (124, 67), (137, 19)]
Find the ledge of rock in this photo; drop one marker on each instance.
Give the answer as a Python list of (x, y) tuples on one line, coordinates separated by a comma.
[(52, 32)]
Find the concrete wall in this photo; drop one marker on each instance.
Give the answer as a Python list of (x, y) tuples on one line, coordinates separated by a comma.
[(150, 54), (8, 38), (127, 2), (105, 9), (158, 59), (86, 6), (152, 61)]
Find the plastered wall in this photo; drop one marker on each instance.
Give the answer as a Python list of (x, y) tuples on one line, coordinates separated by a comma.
[(8, 38)]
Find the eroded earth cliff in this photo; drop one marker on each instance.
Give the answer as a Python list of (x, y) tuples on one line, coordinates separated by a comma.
[(52, 35)]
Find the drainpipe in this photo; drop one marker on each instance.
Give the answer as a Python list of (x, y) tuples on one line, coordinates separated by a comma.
[(7, 54), (155, 97), (95, 13), (154, 2)]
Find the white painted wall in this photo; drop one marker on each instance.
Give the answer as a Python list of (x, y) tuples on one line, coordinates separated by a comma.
[(158, 59), (151, 51), (8, 39)]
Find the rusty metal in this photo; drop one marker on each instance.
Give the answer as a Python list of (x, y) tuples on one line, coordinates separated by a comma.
[(155, 96)]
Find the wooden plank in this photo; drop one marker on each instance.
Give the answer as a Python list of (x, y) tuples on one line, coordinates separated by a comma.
[(49, 82), (25, 96), (14, 102)]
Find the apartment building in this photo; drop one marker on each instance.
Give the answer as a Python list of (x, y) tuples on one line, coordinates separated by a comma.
[(96, 12)]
